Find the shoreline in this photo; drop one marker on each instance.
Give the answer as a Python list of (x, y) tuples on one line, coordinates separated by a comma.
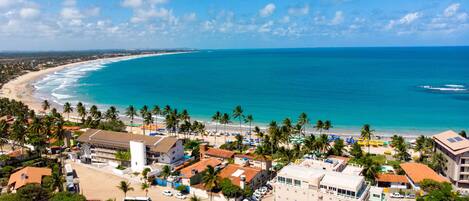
[(22, 89)]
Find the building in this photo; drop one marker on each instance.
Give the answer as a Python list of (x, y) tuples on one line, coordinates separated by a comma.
[(300, 183), (244, 176), (377, 194), (222, 154), (27, 175), (336, 164), (191, 174), (417, 172), (102, 146), (392, 181), (455, 150), (252, 160)]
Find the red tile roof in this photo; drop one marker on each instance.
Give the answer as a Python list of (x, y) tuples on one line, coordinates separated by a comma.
[(221, 153), (417, 172), (199, 166), (28, 175), (392, 178), (234, 172)]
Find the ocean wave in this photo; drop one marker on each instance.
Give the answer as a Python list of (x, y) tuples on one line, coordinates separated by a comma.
[(446, 88)]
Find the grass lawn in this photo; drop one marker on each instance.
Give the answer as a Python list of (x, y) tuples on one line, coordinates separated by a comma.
[(381, 160)]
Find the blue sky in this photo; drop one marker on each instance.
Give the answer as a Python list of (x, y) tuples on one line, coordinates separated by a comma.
[(86, 24)]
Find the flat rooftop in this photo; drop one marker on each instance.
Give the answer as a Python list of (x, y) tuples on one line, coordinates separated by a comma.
[(452, 142)]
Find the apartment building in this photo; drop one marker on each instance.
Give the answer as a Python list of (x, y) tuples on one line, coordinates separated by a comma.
[(300, 183), (102, 146), (455, 150)]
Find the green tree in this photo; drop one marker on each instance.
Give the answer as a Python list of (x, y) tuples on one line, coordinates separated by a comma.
[(145, 186), (125, 187), (45, 105), (463, 134), (182, 189), (32, 192), (131, 113), (319, 126), (157, 112), (166, 171), (356, 151), (18, 133), (327, 125), (438, 162), (112, 114), (122, 156), (303, 121), (249, 119), (67, 196), (238, 113), (68, 109), (147, 120), (81, 109), (225, 119), (210, 180), (370, 168), (338, 147), (194, 198), (228, 189), (3, 133), (367, 134)]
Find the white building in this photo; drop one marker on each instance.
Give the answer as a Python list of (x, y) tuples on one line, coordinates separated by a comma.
[(299, 183), (101, 146)]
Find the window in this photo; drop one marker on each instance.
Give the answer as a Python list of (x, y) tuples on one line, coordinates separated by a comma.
[(281, 180), (353, 194), (289, 181), (376, 196), (297, 182), (462, 169), (463, 161)]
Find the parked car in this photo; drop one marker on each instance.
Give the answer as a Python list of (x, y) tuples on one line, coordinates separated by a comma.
[(167, 193), (396, 195), (410, 196), (180, 196)]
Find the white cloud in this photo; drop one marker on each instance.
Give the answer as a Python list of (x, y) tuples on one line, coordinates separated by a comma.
[(28, 13), (142, 15), (69, 3), (6, 3), (190, 17), (451, 10), (132, 3), (266, 27), (94, 11), (302, 10), (338, 18), (71, 13), (405, 20), (267, 10), (158, 1), (285, 19)]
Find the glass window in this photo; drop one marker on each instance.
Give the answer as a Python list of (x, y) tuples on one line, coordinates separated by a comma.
[(297, 182), (289, 181), (353, 194), (281, 179)]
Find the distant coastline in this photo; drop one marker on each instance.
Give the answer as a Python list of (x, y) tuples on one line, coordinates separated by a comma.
[(22, 89)]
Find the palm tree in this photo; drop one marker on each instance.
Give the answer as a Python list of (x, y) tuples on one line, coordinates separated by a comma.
[(210, 179), (18, 133), (323, 143), (81, 109), (195, 198), (249, 119), (438, 162), (338, 147), (167, 110), (367, 134), (319, 126), (370, 169), (166, 171), (68, 109), (239, 142), (327, 125), (131, 113), (238, 113), (225, 119), (216, 118), (145, 186), (94, 112), (463, 134), (3, 133), (125, 187), (45, 105), (147, 120), (303, 120), (59, 132), (111, 114), (156, 111), (143, 113)]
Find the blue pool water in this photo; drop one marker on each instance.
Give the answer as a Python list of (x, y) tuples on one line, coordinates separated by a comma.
[(395, 89)]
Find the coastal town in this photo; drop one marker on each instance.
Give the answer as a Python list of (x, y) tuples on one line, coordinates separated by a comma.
[(81, 152)]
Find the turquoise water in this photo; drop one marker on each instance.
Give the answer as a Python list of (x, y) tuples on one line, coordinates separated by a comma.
[(393, 89)]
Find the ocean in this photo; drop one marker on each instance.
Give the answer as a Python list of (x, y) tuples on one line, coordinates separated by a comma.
[(401, 89)]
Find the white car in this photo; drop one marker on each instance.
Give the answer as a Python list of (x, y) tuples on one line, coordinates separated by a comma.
[(180, 196), (257, 194), (396, 195), (167, 193)]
